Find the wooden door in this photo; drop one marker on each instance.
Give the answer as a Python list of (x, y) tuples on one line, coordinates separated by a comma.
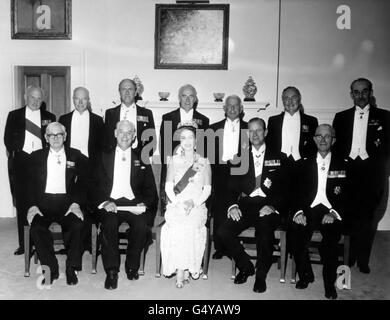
[(55, 82)]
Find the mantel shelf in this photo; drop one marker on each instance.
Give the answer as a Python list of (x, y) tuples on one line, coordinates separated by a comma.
[(171, 105)]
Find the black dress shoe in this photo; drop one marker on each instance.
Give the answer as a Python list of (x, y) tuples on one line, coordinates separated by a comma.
[(71, 277), (111, 281), (132, 274), (53, 276), (330, 292), (364, 268), (243, 276), (19, 251), (303, 283), (260, 286), (217, 255)]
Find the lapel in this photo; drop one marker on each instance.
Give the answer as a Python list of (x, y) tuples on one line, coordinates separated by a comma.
[(90, 132), (132, 172), (350, 116), (279, 128), (372, 115), (68, 172), (43, 128), (314, 174), (69, 134), (108, 164), (251, 172), (43, 168)]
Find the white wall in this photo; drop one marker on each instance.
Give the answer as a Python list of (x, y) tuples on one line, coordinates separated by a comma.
[(113, 39)]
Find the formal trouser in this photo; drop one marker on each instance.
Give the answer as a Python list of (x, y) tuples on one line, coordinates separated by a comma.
[(265, 236), (219, 208), (368, 178), (53, 208), (300, 237), (20, 177), (163, 196), (109, 238)]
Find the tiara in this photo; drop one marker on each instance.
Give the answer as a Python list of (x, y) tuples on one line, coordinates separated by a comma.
[(188, 123)]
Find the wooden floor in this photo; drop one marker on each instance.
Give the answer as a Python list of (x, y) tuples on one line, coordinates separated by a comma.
[(219, 286)]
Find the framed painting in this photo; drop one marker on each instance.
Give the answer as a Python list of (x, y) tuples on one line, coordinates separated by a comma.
[(41, 19), (191, 36)]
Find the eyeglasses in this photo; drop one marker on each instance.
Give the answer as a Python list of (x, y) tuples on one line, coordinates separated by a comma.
[(58, 135), (326, 137), (363, 92)]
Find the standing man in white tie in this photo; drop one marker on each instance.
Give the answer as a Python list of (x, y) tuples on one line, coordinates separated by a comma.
[(24, 133), (123, 180), (363, 139), (129, 110), (85, 132), (292, 131), (320, 203), (229, 130), (57, 193)]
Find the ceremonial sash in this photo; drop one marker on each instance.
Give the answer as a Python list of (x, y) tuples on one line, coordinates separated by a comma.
[(180, 186), (33, 129), (258, 182)]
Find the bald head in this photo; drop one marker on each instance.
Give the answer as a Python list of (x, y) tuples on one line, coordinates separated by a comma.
[(33, 97), (81, 99)]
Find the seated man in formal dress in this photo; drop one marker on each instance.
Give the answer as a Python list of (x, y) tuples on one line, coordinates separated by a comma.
[(57, 193), (320, 204), (126, 192), (255, 199)]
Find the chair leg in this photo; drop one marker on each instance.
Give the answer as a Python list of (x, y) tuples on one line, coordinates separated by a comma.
[(233, 276), (158, 252), (346, 249), (26, 251), (94, 248), (141, 270), (283, 254), (293, 270), (206, 256)]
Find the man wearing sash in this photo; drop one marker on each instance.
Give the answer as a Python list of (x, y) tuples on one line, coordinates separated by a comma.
[(226, 149), (320, 204), (255, 199), (24, 133), (126, 191)]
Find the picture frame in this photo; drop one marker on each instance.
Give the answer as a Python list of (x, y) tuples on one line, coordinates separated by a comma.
[(191, 36), (41, 19)]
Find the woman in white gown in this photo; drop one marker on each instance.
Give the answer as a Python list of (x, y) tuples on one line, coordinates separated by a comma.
[(188, 185)]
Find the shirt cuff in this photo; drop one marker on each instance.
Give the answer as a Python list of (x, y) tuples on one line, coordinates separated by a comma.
[(102, 205), (69, 210), (232, 206), (335, 213), (297, 213)]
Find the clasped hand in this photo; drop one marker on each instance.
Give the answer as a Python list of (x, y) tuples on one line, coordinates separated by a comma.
[(188, 206)]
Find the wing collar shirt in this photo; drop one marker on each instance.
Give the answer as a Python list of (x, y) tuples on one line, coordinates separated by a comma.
[(186, 116), (322, 171), (291, 130), (80, 131), (231, 136), (32, 142), (122, 170), (130, 114), (56, 167), (359, 135), (258, 161)]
